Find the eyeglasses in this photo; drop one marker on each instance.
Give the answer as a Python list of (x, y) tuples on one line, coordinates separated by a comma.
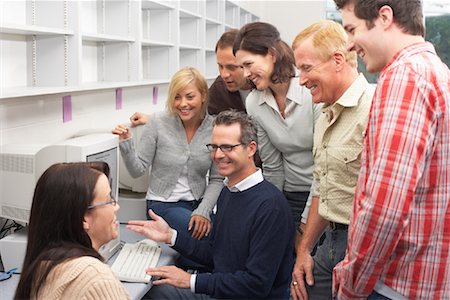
[(112, 201), (223, 148), (8, 274)]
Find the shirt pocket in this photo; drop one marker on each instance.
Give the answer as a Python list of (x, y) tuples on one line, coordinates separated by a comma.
[(344, 164)]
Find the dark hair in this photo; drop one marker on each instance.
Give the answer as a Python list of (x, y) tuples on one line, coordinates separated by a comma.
[(248, 124), (55, 233), (408, 14), (260, 38), (227, 39)]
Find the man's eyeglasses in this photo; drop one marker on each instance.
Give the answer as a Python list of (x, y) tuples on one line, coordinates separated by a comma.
[(112, 201), (223, 148)]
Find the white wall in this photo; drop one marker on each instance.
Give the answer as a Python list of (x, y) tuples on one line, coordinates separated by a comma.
[(290, 17), (39, 119)]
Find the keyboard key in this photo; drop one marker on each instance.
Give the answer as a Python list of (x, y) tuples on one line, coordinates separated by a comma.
[(134, 259)]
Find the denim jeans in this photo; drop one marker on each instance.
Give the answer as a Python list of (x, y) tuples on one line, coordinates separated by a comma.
[(297, 202), (374, 296), (327, 256), (169, 292), (177, 215)]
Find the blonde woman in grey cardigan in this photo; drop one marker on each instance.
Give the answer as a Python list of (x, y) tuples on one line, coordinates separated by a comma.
[(173, 144)]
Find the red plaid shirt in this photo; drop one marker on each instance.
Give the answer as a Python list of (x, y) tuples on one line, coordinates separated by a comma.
[(400, 229)]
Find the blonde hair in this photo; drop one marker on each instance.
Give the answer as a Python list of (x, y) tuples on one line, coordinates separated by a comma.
[(327, 38), (180, 80)]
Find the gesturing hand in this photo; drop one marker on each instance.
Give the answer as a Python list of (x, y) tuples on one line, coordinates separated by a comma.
[(202, 227), (156, 229), (303, 271)]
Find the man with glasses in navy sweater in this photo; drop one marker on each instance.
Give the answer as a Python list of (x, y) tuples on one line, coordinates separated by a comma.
[(251, 246)]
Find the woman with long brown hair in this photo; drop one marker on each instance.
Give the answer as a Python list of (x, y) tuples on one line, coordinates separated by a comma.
[(73, 214)]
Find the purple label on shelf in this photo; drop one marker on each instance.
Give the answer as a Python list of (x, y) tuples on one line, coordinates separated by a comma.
[(118, 98), (67, 108), (155, 95)]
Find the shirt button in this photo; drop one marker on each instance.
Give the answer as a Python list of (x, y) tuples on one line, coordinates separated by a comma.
[(324, 146), (345, 158), (324, 173)]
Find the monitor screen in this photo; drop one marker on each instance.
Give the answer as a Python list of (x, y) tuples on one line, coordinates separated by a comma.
[(110, 157), (21, 165)]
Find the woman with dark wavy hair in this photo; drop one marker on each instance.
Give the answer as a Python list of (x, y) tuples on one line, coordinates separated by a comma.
[(72, 216), (284, 111)]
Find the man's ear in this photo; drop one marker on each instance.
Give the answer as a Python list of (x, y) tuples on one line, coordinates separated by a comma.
[(338, 59), (252, 147), (386, 16)]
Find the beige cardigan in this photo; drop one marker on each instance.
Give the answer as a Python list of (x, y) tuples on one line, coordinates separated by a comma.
[(82, 278)]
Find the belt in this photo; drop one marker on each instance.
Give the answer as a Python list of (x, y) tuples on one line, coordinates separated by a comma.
[(338, 226)]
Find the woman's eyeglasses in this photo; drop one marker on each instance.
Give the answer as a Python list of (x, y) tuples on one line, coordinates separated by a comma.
[(8, 274), (112, 201)]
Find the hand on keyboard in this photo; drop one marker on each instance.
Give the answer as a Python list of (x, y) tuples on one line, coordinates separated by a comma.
[(134, 259)]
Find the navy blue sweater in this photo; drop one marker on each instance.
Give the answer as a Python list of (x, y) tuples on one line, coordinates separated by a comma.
[(251, 246)]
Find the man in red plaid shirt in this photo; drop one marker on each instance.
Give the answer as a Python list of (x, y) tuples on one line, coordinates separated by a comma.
[(399, 233)]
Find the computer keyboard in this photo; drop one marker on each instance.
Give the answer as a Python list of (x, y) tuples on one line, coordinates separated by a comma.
[(134, 259)]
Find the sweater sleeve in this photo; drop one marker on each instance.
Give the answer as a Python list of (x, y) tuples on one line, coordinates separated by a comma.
[(105, 289), (98, 282), (212, 192), (267, 251), (83, 278), (137, 163), (199, 251)]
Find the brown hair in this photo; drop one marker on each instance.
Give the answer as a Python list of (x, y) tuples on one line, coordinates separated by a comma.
[(260, 38), (227, 39), (55, 232), (408, 14)]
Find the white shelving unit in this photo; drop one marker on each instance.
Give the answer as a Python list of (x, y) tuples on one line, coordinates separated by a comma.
[(62, 46), (231, 15), (158, 40)]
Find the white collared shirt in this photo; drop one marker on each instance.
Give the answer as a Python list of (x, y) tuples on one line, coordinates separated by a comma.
[(246, 183), (285, 144)]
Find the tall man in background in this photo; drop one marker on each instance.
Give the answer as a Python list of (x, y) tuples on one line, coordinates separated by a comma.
[(399, 241), (329, 71)]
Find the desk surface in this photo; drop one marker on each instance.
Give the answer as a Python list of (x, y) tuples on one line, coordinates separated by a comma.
[(136, 290)]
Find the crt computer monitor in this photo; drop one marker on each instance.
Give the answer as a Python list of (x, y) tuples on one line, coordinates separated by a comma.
[(21, 165)]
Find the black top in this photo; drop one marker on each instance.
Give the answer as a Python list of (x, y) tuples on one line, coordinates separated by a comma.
[(221, 99)]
